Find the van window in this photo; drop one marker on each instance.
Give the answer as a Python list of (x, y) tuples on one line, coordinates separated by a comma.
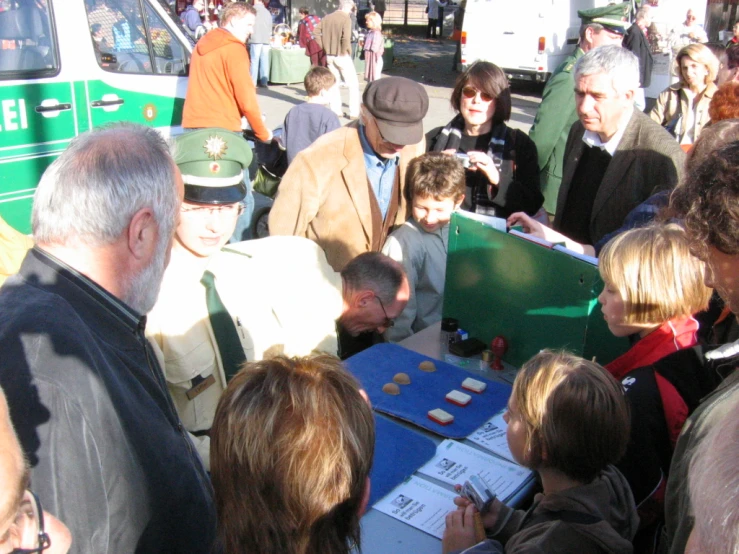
[(27, 43), (170, 57), (128, 40)]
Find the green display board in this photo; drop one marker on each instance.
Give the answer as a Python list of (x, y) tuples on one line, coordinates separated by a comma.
[(536, 297)]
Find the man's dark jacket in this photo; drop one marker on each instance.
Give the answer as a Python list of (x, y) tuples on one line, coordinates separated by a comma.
[(636, 42), (647, 160), (88, 400)]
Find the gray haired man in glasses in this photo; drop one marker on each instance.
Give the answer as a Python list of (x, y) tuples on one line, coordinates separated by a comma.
[(222, 305)]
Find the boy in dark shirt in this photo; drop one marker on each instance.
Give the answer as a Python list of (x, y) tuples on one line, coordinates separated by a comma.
[(306, 122)]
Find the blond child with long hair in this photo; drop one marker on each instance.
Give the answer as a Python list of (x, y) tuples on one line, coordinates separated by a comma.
[(374, 47), (653, 286)]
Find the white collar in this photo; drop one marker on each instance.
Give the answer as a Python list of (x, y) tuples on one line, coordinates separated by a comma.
[(592, 139)]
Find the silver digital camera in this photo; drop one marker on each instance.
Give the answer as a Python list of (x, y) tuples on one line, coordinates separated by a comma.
[(464, 158), (477, 491)]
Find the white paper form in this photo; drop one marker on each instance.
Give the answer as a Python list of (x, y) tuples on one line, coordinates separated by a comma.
[(492, 436), (421, 504), (455, 462)]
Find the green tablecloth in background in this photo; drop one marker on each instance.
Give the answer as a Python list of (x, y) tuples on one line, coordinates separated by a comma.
[(288, 66), (387, 57)]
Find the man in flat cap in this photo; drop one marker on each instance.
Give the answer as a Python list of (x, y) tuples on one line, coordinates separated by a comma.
[(557, 113), (345, 192), (221, 305)]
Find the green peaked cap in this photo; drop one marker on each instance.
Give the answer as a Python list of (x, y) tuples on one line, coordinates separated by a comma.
[(212, 162), (613, 17)]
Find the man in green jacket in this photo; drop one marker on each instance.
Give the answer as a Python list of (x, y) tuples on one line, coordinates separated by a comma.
[(556, 113)]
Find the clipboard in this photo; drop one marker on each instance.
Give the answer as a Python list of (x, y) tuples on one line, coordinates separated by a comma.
[(537, 297)]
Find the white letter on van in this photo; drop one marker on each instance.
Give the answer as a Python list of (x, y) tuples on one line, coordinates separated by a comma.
[(9, 115), (23, 114)]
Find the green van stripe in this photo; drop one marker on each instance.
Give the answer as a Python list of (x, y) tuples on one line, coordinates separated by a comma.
[(82, 107)]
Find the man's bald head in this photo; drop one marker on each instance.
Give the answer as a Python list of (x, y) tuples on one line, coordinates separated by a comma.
[(375, 291)]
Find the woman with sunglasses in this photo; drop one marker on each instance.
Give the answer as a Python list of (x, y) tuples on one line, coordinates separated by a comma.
[(502, 174)]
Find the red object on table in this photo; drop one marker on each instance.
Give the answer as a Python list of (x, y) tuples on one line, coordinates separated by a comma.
[(499, 346)]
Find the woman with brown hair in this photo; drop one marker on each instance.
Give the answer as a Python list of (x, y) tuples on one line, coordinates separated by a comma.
[(291, 450), (502, 165), (682, 108)]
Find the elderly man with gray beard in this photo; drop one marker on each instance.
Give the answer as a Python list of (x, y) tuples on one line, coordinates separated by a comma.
[(108, 453)]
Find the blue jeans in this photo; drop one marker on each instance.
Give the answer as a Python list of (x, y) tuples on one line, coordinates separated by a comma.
[(259, 54)]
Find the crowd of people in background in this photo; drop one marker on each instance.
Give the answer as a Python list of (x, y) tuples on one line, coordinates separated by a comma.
[(164, 390)]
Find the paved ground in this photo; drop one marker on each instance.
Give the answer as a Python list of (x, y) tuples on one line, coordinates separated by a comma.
[(428, 62)]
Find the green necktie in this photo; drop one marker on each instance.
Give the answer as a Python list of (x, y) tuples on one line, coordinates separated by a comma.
[(227, 338)]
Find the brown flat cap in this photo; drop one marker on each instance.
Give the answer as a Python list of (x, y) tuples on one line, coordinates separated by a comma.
[(399, 106)]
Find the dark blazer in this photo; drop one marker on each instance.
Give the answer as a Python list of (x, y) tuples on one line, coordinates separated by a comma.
[(646, 161), (636, 42)]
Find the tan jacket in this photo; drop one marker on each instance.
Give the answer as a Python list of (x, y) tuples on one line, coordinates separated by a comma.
[(282, 295), (334, 34), (672, 103), (326, 196)]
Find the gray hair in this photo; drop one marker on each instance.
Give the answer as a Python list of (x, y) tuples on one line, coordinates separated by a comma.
[(616, 62), (596, 27), (642, 14), (346, 4), (91, 192), (376, 272), (714, 484)]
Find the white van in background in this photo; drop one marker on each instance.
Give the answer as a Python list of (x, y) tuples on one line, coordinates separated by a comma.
[(528, 39), (67, 66)]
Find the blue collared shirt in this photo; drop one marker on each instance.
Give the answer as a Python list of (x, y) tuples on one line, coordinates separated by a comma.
[(380, 172)]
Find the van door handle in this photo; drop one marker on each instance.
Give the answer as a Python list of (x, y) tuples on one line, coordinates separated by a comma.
[(508, 33), (104, 103), (53, 108)]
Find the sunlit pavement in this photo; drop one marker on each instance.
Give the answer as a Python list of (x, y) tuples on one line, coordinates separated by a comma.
[(425, 61)]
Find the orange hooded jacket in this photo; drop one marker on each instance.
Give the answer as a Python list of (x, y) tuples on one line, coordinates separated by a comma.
[(220, 89)]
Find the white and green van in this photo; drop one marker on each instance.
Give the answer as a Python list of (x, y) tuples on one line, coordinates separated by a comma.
[(67, 66)]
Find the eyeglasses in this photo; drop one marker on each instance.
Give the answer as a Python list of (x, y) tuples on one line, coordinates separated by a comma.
[(26, 534), (471, 92), (389, 321), (228, 210)]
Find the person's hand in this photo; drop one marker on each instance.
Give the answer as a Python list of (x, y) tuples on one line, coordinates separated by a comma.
[(536, 229), (529, 224), (460, 530), (480, 161), (489, 518)]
